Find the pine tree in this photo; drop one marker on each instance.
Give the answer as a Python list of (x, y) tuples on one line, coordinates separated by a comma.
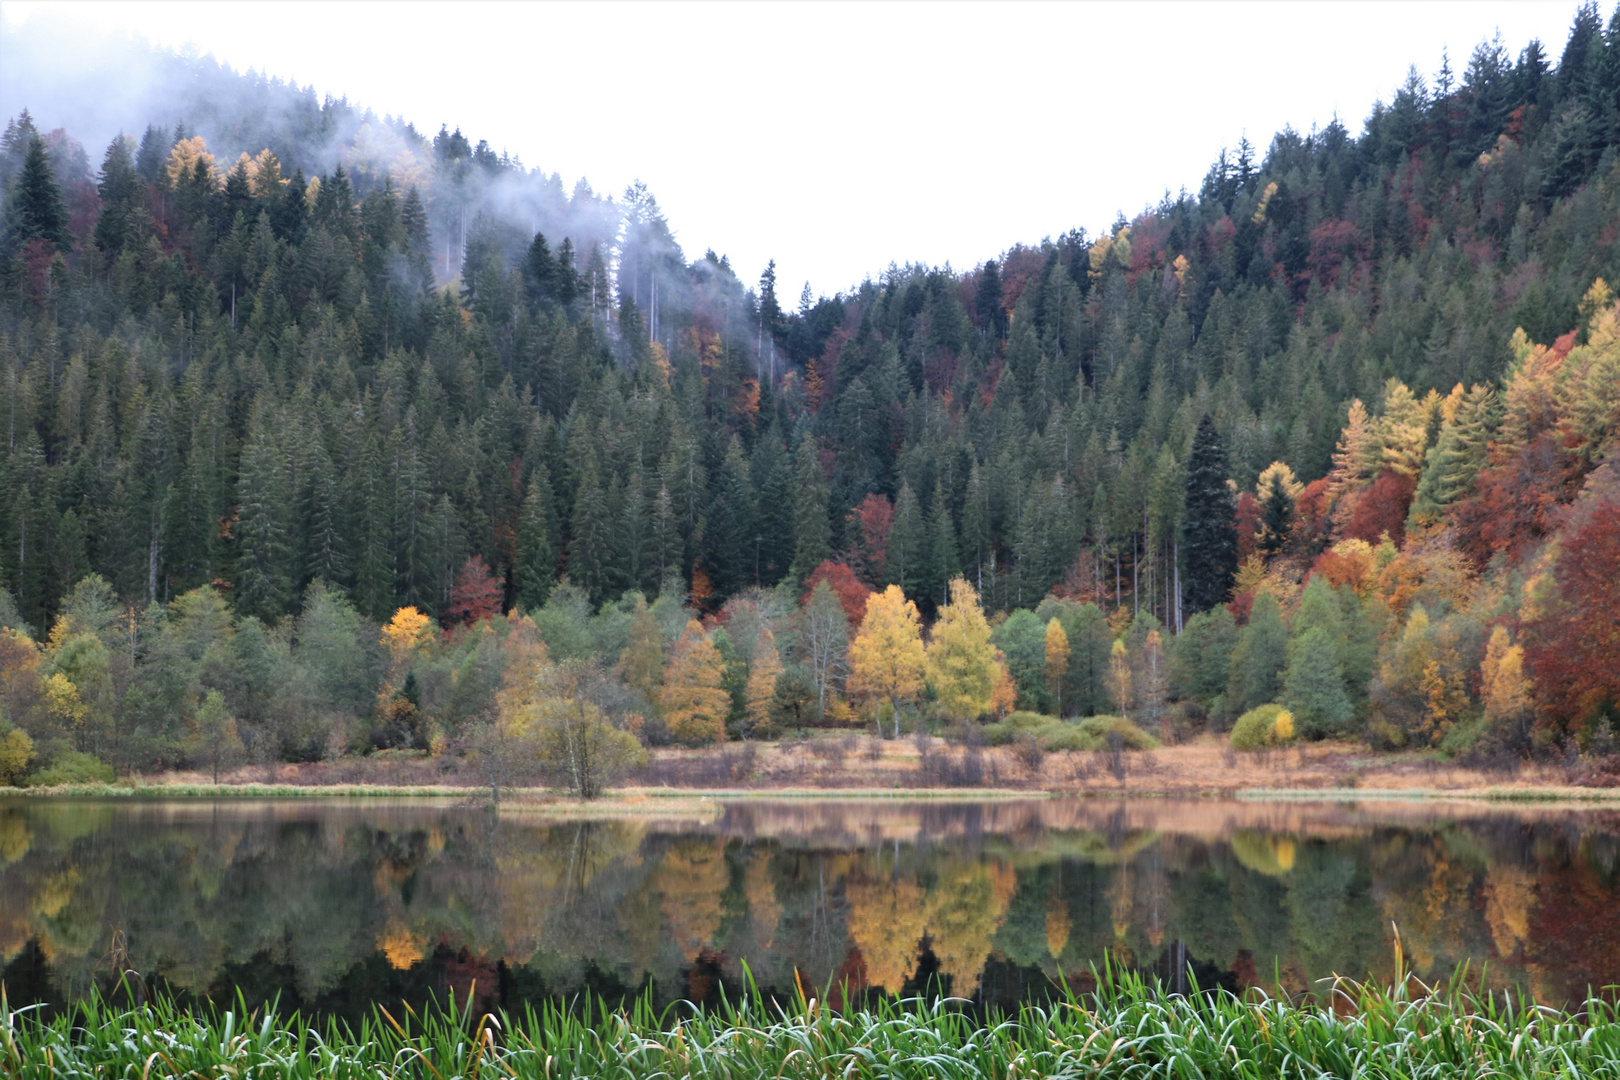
[(120, 187), (1209, 537), (591, 534), (812, 530), (36, 210), (941, 562), (264, 585), (908, 543), (536, 567)]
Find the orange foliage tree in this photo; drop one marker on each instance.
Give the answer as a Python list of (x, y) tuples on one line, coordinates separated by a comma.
[(851, 592)]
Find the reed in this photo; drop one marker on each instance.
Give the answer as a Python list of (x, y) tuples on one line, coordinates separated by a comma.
[(1130, 1029)]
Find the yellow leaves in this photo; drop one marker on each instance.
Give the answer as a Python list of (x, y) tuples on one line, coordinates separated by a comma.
[(1057, 659), (406, 633), (1265, 202), (526, 663), (1403, 429), (1278, 474), (1282, 728), (763, 670), (695, 707), (1504, 688), (62, 700), (1350, 457), (961, 662), (1119, 677), (1179, 266), (185, 156), (402, 945), (886, 659), (16, 751)]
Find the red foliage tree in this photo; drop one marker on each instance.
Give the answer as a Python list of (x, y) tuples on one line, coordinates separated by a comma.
[(1572, 647), (1382, 508), (1247, 519), (851, 593), (475, 597), (872, 519), (1516, 502), (1311, 514)]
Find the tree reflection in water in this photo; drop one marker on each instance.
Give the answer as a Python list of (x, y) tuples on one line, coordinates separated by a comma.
[(332, 906)]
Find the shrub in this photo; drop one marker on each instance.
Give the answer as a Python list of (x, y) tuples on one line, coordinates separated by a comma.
[(1053, 735), (73, 767), (1099, 728), (1254, 728)]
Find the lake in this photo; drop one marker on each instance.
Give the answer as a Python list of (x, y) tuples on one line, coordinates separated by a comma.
[(331, 905)]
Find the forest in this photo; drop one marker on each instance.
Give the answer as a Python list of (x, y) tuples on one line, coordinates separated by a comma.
[(325, 437)]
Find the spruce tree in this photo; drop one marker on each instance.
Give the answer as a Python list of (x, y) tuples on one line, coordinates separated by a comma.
[(36, 210), (536, 568), (811, 528), (908, 543), (1209, 536)]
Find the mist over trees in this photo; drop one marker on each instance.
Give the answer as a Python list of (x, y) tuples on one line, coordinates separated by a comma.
[(290, 369)]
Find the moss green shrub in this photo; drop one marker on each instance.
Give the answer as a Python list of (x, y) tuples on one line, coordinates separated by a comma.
[(1253, 729), (73, 767)]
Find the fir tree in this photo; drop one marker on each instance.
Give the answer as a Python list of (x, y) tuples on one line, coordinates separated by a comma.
[(35, 210), (1209, 538), (535, 570), (811, 527)]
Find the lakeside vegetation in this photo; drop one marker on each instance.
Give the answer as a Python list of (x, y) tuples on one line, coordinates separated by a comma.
[(327, 439), (1131, 1027)]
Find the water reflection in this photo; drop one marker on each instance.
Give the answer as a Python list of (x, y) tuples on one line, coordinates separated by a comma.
[(334, 905)]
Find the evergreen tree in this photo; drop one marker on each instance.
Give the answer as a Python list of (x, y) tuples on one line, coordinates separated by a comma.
[(590, 536), (1257, 662), (1209, 538), (535, 570), (35, 210), (811, 528), (908, 544), (264, 583), (1314, 685)]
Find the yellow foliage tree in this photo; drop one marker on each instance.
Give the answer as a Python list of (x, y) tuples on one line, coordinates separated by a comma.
[(1403, 429), (1278, 474), (62, 701), (184, 157), (1057, 661), (960, 660), (1119, 677), (406, 634), (763, 668), (1504, 688), (1350, 456), (695, 707), (886, 659)]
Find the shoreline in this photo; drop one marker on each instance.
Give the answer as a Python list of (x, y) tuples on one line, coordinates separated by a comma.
[(633, 800)]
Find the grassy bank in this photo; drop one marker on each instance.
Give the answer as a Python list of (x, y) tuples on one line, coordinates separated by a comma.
[(1131, 1031)]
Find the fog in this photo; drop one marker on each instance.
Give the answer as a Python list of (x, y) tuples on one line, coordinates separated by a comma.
[(835, 140)]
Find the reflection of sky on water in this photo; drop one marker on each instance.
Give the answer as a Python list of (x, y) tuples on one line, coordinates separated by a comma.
[(335, 904)]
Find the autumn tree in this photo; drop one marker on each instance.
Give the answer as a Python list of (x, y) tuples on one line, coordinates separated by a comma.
[(961, 665), (695, 706), (1119, 678), (643, 658), (764, 667), (1057, 661), (1505, 690), (886, 659), (475, 597)]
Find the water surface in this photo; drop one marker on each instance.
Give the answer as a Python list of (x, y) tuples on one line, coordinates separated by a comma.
[(334, 904)]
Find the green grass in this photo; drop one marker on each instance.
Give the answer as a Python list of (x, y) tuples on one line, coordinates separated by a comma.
[(1131, 1030)]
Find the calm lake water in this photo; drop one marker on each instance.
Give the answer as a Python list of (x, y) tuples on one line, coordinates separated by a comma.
[(333, 905)]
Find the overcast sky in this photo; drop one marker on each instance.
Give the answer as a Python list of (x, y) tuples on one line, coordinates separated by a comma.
[(837, 138)]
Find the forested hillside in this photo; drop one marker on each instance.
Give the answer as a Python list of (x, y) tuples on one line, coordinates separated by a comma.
[(278, 368)]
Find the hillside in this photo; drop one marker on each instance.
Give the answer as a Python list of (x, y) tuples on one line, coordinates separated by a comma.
[(323, 367)]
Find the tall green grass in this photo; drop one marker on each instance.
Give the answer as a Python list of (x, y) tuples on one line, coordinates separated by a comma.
[(1131, 1029)]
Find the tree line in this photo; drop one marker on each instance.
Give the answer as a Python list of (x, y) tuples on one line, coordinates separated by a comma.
[(347, 391)]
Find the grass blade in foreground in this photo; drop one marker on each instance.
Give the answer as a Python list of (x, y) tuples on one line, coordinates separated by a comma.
[(1130, 1031)]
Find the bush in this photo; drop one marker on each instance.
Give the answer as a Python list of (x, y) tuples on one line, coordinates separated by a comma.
[(1268, 725), (1185, 720), (1099, 728), (73, 767), (1053, 735)]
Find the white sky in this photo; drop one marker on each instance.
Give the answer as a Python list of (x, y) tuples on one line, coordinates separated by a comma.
[(837, 138)]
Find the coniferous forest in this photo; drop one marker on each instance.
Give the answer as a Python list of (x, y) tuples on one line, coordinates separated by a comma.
[(325, 436)]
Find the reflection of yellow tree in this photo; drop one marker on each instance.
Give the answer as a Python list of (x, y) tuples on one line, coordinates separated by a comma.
[(763, 909), (15, 839), (886, 922), (1264, 853), (403, 945), (963, 912), (1058, 924), (1510, 893), (692, 877)]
